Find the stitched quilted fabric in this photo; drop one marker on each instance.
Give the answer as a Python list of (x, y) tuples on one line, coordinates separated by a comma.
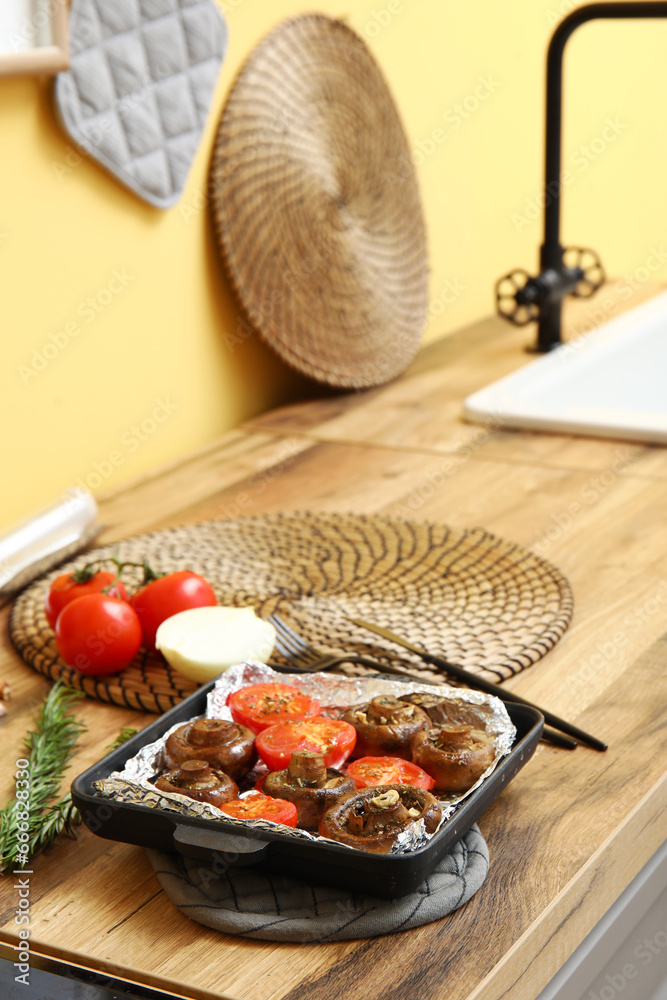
[(258, 904), (139, 87)]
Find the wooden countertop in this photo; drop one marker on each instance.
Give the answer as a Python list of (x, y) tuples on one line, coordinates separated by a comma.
[(571, 830)]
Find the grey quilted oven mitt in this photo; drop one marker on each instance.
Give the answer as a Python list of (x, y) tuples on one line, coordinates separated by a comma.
[(139, 88), (270, 907)]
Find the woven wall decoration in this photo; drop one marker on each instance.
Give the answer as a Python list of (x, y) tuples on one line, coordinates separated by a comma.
[(316, 207), (477, 600)]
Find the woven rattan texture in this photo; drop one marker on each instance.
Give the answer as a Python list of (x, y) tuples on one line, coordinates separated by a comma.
[(316, 207), (479, 601)]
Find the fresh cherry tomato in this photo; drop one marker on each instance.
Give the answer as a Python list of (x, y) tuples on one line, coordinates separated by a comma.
[(68, 586), (166, 596), (255, 805), (332, 738), (367, 771), (262, 705), (98, 634)]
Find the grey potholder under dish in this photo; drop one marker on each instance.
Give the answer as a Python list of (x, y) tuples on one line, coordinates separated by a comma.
[(273, 908), (139, 87)]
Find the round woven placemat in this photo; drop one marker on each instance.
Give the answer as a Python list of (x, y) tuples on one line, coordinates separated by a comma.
[(316, 207), (475, 599)]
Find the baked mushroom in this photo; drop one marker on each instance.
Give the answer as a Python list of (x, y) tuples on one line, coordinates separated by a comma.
[(449, 711), (371, 819), (455, 756), (311, 786), (226, 746), (195, 779), (385, 726)]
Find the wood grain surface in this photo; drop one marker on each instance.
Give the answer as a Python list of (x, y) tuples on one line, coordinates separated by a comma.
[(571, 830)]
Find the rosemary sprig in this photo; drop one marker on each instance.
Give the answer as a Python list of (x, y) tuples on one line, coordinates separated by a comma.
[(126, 733), (57, 820), (48, 749)]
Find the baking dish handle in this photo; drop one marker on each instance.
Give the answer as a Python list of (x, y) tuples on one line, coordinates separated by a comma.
[(228, 849)]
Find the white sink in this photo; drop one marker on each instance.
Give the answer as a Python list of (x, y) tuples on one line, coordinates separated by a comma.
[(609, 383)]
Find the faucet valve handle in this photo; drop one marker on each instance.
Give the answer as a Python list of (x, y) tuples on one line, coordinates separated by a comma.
[(588, 262), (522, 299), (515, 300)]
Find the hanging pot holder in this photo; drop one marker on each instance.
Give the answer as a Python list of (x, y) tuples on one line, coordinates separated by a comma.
[(138, 91)]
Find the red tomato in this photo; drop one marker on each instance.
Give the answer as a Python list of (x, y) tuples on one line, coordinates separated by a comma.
[(255, 805), (332, 738), (68, 586), (166, 596), (367, 771), (262, 705), (98, 634)]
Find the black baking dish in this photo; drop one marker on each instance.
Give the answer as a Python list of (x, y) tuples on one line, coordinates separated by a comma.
[(221, 845)]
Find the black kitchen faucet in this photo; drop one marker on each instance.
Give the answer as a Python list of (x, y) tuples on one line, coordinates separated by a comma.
[(577, 271)]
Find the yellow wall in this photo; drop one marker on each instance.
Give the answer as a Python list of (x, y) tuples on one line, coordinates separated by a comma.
[(66, 228)]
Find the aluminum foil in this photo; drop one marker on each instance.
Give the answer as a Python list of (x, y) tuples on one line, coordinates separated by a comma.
[(335, 692)]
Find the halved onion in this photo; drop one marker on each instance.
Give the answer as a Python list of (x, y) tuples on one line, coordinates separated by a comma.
[(202, 642)]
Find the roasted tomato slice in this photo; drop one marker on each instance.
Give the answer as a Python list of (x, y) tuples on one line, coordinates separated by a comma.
[(332, 738), (368, 771), (262, 705), (255, 805)]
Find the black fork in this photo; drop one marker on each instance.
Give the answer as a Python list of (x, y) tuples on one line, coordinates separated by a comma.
[(308, 659), (304, 658)]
